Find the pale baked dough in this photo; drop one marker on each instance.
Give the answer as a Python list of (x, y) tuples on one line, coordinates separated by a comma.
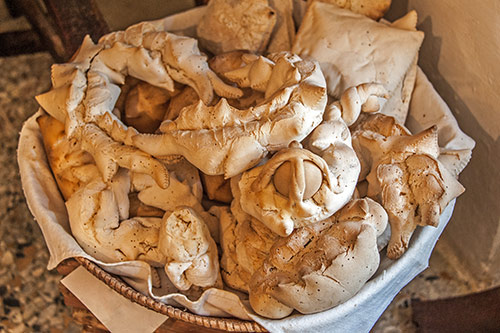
[(353, 49), (222, 139), (320, 265), (404, 175), (190, 251), (236, 25), (374, 9)]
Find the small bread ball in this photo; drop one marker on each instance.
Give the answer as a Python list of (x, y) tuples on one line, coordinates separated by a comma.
[(283, 178)]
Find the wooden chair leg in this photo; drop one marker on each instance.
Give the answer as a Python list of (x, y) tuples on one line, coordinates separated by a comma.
[(73, 19), (62, 24), (20, 42), (43, 26)]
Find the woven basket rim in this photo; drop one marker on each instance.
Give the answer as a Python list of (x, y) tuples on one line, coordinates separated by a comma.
[(115, 283)]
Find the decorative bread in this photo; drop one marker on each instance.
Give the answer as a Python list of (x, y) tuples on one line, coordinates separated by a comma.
[(374, 9), (404, 175), (320, 265), (72, 167), (236, 25), (302, 169), (191, 253), (353, 49), (222, 139)]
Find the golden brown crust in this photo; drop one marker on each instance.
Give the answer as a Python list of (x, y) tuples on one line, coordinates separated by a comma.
[(145, 107), (63, 155), (217, 188)]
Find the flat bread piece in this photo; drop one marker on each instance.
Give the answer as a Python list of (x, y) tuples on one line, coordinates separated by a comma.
[(374, 9), (398, 104), (284, 30), (353, 49)]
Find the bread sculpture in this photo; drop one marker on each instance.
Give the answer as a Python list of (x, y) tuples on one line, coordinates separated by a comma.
[(245, 243), (341, 40), (231, 63), (99, 222), (297, 187), (71, 166), (86, 89), (365, 97), (320, 265), (102, 207), (295, 147), (190, 251), (404, 175), (100, 216), (222, 139), (236, 25), (300, 186)]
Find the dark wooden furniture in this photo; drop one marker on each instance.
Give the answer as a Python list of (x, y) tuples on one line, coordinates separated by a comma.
[(58, 26)]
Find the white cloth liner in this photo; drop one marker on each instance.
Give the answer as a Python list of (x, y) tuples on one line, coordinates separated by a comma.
[(358, 314)]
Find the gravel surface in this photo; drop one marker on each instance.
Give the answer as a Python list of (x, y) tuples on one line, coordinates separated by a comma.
[(29, 293)]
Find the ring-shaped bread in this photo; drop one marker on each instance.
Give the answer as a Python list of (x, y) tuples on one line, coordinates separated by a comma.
[(223, 139), (85, 90)]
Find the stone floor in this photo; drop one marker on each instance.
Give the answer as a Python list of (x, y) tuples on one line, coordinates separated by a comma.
[(29, 293)]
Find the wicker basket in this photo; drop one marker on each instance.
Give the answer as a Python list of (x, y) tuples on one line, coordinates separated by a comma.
[(226, 324), (115, 283)]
